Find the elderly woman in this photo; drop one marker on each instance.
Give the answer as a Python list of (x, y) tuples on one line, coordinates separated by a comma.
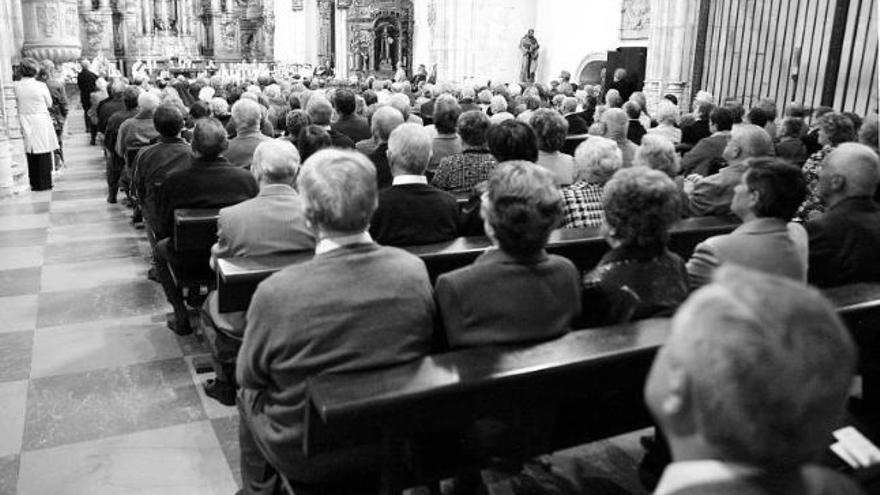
[(658, 153), (512, 140), (498, 110), (615, 125), (639, 277), (525, 294), (459, 173), (595, 161), (37, 129), (791, 145), (295, 121), (311, 139), (301, 324), (551, 129), (446, 142), (834, 128), (667, 118)]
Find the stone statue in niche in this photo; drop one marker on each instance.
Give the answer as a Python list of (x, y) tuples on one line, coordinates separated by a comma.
[(387, 45), (529, 47), (635, 19)]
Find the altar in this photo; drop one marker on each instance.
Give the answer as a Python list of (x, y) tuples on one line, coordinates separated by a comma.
[(380, 37)]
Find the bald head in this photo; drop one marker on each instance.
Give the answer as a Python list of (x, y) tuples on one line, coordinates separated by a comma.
[(850, 170), (275, 162), (747, 141), (385, 120), (409, 150)]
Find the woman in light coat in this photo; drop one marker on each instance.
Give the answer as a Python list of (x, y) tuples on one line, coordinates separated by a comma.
[(40, 142)]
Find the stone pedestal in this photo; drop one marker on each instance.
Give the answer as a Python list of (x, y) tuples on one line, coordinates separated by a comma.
[(671, 50), (51, 30)]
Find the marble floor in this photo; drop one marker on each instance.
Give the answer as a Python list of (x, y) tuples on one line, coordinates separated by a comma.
[(97, 396)]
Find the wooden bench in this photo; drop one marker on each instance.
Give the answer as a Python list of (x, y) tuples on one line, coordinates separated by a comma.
[(859, 307), (237, 278), (195, 231), (579, 388)]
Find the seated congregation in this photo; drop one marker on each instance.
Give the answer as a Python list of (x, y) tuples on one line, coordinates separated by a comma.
[(361, 193)]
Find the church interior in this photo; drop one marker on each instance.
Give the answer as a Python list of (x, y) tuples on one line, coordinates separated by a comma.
[(104, 391)]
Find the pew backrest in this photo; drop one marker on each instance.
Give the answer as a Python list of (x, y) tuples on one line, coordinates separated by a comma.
[(237, 278), (195, 230)]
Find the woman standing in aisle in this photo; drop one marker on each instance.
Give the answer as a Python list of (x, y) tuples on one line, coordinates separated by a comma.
[(40, 142)]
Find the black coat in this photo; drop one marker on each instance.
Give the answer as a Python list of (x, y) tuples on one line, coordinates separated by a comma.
[(845, 244)]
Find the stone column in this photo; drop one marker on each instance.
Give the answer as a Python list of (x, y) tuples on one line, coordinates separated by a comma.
[(13, 176), (97, 29), (341, 33), (51, 30), (673, 35)]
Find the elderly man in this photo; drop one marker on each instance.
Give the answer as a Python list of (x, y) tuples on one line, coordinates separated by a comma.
[(766, 198), (845, 240), (111, 105), (706, 158), (385, 120), (446, 142), (134, 134), (320, 111), (616, 125), (401, 102), (272, 222), (211, 182), (750, 384), (247, 116), (354, 126), (330, 314), (85, 81), (576, 124), (156, 161), (115, 162), (710, 196), (411, 212)]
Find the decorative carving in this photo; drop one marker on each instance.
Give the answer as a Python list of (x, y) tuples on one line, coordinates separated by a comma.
[(94, 28), (229, 33), (343, 4), (47, 19), (71, 21), (297, 5), (635, 19)]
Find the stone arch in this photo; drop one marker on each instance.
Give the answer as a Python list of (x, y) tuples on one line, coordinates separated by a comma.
[(590, 69)]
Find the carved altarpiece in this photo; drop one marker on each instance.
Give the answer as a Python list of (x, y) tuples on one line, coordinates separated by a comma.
[(379, 36)]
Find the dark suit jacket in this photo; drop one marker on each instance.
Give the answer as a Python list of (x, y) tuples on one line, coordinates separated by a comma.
[(706, 157), (427, 112), (206, 184), (576, 124), (355, 127), (152, 165), (636, 131), (813, 480), (845, 244), (414, 214), (383, 169), (106, 109), (500, 299), (340, 140), (85, 81), (692, 134)]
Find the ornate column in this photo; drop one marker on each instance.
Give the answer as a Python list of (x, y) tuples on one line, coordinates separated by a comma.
[(51, 30), (342, 37), (13, 176), (97, 29), (673, 34)]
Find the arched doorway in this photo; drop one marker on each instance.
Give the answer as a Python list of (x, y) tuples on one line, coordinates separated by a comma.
[(591, 67)]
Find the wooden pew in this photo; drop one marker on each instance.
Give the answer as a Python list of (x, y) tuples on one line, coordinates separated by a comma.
[(195, 231), (237, 278), (859, 307), (582, 387)]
